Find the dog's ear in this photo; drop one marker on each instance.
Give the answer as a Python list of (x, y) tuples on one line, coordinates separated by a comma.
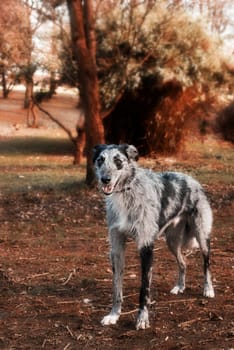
[(131, 152), (97, 150)]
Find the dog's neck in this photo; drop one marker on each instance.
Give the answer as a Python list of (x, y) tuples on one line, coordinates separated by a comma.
[(126, 187)]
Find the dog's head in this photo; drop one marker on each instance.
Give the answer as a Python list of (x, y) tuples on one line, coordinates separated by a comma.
[(114, 166)]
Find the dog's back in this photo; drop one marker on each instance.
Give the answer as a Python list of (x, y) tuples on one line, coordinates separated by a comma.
[(151, 199)]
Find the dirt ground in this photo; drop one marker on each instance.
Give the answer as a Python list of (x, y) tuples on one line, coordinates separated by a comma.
[(55, 277)]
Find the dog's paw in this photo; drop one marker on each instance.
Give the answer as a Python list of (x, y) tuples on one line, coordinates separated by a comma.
[(142, 320), (110, 319), (209, 291), (177, 289)]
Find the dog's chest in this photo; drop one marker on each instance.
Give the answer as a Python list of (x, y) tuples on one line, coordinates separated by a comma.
[(126, 214), (119, 214)]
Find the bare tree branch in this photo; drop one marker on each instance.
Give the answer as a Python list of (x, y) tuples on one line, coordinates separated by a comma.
[(55, 120)]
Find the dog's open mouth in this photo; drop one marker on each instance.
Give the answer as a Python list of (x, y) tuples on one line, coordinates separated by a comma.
[(107, 189)]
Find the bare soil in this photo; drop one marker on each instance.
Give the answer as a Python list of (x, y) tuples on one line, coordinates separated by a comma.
[(55, 276)]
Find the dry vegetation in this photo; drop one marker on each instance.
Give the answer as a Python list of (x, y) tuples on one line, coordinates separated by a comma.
[(55, 278)]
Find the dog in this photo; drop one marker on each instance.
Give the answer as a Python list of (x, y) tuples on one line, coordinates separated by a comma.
[(145, 205)]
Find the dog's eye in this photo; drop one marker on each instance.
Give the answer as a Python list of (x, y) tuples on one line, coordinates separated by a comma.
[(118, 163), (100, 160)]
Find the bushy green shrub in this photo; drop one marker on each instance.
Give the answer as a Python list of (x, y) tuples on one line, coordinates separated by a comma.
[(167, 46)]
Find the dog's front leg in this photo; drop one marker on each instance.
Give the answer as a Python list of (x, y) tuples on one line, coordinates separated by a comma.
[(146, 254), (117, 261)]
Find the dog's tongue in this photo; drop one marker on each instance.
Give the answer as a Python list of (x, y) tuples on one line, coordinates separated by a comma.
[(107, 189)]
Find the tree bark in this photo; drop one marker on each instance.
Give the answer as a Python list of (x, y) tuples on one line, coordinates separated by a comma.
[(32, 116), (79, 143), (28, 93), (4, 88), (84, 43)]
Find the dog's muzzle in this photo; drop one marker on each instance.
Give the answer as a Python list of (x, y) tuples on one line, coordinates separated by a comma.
[(107, 187)]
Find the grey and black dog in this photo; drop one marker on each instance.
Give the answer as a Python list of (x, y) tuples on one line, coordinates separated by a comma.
[(145, 205)]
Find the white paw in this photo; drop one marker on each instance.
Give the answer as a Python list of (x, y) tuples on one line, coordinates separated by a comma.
[(177, 289), (110, 319), (209, 291), (142, 320)]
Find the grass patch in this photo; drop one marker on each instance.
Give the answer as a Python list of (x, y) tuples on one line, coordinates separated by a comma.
[(211, 162), (38, 164), (36, 146), (56, 178), (210, 177)]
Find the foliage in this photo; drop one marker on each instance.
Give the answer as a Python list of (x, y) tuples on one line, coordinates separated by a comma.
[(165, 130), (68, 69), (166, 44), (142, 52), (14, 28), (15, 45), (225, 122)]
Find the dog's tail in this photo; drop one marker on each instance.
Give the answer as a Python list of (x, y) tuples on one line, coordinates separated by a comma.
[(175, 220)]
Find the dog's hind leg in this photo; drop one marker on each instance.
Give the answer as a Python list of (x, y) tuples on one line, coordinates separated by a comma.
[(117, 261), (180, 285), (146, 254), (202, 226), (208, 287), (174, 237)]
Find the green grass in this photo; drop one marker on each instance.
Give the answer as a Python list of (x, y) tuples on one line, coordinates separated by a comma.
[(50, 178), (211, 162), (215, 176), (38, 163), (35, 146), (216, 161)]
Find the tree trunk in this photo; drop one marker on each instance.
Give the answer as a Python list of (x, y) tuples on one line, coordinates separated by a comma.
[(83, 37), (6, 88), (32, 116), (53, 84), (79, 143), (28, 93), (4, 85)]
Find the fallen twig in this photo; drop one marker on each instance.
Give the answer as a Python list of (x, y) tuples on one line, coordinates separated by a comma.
[(129, 312), (69, 277), (44, 343), (135, 310), (177, 301), (67, 346), (130, 295), (69, 331), (67, 302), (189, 322), (39, 275)]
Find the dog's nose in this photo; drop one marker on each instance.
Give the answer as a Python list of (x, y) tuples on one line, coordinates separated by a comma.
[(105, 179)]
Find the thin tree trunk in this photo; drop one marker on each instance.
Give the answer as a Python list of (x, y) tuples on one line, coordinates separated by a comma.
[(28, 93), (32, 116), (79, 143), (4, 87)]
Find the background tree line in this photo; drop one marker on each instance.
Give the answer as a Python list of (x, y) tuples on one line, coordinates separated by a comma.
[(143, 69)]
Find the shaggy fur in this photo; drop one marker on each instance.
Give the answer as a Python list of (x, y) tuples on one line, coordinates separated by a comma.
[(145, 205)]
